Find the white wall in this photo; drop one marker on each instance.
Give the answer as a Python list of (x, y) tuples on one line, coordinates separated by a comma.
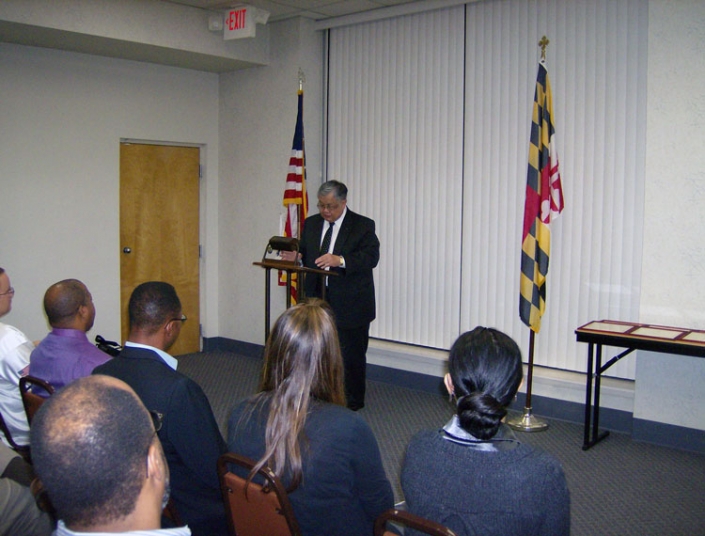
[(671, 389), (253, 169), (161, 32), (62, 117), (258, 116)]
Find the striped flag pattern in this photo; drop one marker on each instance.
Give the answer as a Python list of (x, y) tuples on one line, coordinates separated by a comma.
[(295, 195), (544, 202)]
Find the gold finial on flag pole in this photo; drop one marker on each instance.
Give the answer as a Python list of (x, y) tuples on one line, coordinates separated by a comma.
[(543, 44), (302, 79)]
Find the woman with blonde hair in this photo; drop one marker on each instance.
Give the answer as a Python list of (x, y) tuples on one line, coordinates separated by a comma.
[(298, 425)]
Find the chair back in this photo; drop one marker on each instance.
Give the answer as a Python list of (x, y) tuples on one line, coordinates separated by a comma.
[(255, 509), (41, 497), (426, 526), (32, 401), (172, 514), (22, 450)]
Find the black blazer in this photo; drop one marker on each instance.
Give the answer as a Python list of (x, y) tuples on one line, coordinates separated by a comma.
[(189, 435), (352, 293)]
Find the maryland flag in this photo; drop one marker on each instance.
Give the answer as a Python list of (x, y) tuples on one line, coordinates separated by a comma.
[(544, 202), (295, 196)]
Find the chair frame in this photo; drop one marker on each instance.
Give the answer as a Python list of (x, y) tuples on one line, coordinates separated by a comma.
[(41, 497), (172, 514), (230, 482), (30, 400), (22, 450), (409, 520)]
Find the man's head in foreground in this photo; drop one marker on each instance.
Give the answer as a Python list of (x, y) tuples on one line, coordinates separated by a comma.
[(96, 451)]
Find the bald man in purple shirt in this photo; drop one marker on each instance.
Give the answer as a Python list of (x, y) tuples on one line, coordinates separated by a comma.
[(65, 354)]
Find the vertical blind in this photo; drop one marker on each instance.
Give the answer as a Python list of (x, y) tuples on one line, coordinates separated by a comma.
[(428, 123), (395, 137)]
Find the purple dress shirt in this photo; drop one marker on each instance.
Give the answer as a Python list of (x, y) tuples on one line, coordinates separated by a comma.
[(63, 356)]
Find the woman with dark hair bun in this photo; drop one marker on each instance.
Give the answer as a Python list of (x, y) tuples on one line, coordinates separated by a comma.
[(473, 475)]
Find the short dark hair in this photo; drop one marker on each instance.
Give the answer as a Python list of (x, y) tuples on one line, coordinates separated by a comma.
[(486, 371), (152, 304), (62, 300), (339, 190), (90, 442)]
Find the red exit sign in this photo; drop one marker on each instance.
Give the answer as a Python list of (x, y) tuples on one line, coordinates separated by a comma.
[(239, 22), (236, 19)]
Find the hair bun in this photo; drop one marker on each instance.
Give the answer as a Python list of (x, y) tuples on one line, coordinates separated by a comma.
[(480, 414)]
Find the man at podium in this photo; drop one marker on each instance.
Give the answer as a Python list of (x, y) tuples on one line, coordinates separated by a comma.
[(342, 241)]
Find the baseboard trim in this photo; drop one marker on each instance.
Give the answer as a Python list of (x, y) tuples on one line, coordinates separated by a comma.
[(616, 420), (406, 378), (541, 406), (214, 344), (669, 435)]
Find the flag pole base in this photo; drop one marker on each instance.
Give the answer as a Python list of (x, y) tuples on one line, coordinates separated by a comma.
[(527, 422)]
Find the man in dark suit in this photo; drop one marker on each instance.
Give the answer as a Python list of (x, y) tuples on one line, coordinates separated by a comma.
[(189, 434), (351, 251)]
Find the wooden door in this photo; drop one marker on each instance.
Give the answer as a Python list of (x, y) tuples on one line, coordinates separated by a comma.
[(159, 228)]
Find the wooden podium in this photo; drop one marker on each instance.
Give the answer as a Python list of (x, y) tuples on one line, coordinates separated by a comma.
[(282, 243)]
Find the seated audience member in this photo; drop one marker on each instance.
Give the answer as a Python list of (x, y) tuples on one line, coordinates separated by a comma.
[(19, 514), (15, 349), (299, 426), (473, 475), (96, 451), (65, 354), (190, 435)]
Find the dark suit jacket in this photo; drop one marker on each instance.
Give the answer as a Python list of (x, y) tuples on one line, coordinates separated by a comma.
[(352, 293), (190, 435)]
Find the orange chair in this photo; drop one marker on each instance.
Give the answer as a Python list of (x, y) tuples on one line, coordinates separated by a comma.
[(410, 520), (32, 401), (255, 509)]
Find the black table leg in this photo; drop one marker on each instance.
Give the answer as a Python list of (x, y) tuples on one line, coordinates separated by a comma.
[(588, 397), (596, 435)]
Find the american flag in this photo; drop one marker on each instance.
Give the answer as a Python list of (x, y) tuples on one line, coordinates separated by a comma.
[(544, 202), (295, 196)]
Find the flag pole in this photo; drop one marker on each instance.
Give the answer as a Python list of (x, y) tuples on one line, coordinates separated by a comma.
[(528, 422), (295, 194), (300, 208)]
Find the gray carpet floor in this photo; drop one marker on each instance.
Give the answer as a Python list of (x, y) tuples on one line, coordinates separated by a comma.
[(619, 487)]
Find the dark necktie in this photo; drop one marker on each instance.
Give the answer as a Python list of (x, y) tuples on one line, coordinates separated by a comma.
[(326, 239)]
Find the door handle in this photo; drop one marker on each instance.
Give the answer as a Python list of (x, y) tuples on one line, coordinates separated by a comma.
[(126, 250)]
